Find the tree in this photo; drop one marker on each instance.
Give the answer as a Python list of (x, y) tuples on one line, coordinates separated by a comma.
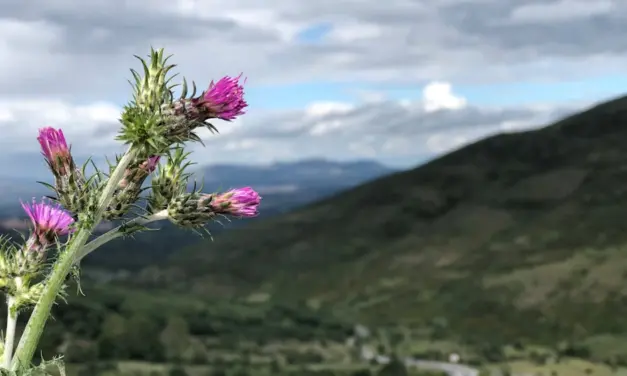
[(394, 368), (111, 343), (142, 338), (175, 338), (80, 351), (177, 371)]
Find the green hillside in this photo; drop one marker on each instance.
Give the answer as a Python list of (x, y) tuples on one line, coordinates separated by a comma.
[(518, 236), (508, 251)]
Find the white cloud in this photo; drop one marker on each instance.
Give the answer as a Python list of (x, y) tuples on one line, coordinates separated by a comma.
[(240, 145), (355, 31), (320, 109), (65, 63), (21, 118), (438, 96), (386, 129), (440, 143), (398, 40)]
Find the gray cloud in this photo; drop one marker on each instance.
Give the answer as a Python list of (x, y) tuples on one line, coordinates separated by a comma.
[(389, 131), (60, 47), (394, 132), (565, 29), (62, 59)]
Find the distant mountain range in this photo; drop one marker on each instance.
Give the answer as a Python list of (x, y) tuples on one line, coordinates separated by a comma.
[(283, 186), (287, 185)]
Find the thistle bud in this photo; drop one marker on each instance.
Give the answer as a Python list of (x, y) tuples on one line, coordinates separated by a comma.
[(241, 202), (190, 210), (151, 90), (142, 121), (130, 187), (222, 100), (70, 185), (17, 266), (196, 209), (169, 181), (26, 263), (29, 295)]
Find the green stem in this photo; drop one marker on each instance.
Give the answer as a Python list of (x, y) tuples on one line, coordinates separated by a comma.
[(9, 335), (116, 233), (32, 333)]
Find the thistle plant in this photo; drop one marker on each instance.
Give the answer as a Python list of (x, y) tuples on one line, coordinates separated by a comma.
[(156, 128)]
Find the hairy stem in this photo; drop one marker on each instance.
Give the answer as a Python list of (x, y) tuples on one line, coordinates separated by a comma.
[(9, 335), (32, 333), (116, 233)]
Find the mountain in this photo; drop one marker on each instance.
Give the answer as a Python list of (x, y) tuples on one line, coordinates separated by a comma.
[(517, 236), (283, 186), (287, 185), (506, 251), (305, 179)]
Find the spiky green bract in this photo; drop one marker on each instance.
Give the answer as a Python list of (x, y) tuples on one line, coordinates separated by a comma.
[(190, 210), (83, 195), (182, 117), (21, 271), (71, 191), (29, 295), (142, 121), (130, 187), (170, 180), (141, 127), (54, 367), (153, 89), (10, 265)]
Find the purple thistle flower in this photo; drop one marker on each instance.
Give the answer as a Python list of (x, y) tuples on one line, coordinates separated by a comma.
[(151, 163), (55, 150), (49, 221), (241, 202), (138, 172), (223, 99)]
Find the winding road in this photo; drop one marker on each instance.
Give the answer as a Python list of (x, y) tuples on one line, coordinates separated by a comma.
[(452, 369)]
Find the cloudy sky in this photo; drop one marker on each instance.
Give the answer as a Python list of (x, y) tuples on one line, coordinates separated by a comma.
[(397, 80)]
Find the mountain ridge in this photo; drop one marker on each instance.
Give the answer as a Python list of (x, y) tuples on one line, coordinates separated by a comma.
[(156, 246), (522, 204), (226, 176)]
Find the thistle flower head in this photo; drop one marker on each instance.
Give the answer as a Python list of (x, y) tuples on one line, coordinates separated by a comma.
[(240, 202), (55, 150), (49, 221), (189, 210), (223, 99), (70, 184), (194, 210)]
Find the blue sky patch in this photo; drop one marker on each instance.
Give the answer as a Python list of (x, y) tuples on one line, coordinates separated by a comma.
[(315, 33), (299, 95)]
